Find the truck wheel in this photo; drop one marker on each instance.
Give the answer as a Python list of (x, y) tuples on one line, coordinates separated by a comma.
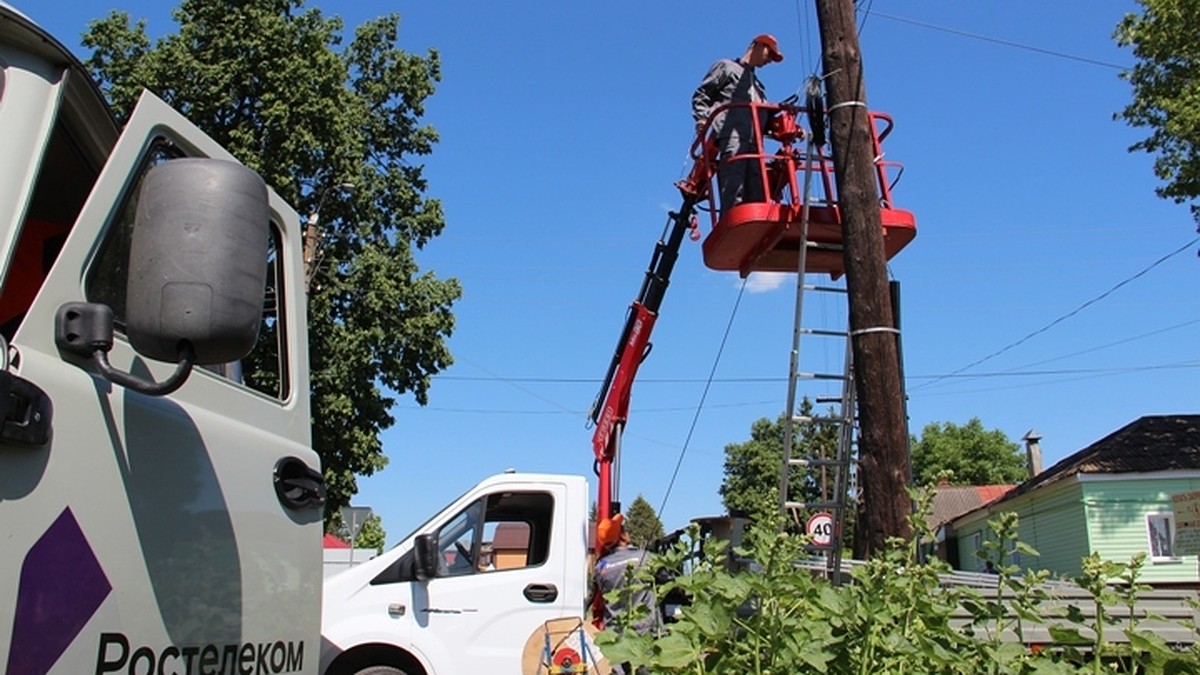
[(380, 670)]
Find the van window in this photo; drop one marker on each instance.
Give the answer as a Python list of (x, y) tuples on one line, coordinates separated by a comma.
[(513, 532)]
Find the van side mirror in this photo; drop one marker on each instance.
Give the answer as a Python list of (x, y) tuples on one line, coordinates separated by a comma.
[(425, 559), (197, 273)]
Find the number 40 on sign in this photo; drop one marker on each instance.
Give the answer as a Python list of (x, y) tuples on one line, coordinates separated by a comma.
[(820, 528)]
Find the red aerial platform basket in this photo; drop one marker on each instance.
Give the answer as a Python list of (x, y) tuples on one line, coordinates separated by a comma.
[(765, 236)]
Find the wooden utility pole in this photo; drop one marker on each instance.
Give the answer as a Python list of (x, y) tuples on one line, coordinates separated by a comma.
[(883, 442)]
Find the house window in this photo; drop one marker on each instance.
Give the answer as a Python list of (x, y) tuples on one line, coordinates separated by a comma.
[(977, 549), (1160, 530)]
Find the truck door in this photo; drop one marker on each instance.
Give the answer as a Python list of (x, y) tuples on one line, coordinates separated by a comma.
[(148, 533), (501, 578)]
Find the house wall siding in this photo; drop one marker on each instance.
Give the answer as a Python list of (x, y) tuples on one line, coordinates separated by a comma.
[(1069, 519), (1050, 520), (1116, 521)]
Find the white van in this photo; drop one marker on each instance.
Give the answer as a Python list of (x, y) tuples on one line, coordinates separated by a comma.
[(496, 582)]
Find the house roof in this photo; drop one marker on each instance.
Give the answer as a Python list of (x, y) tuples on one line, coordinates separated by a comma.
[(331, 541), (1148, 444), (511, 536), (952, 501)]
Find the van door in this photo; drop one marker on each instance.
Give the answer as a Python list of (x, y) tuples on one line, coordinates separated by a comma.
[(152, 527), (501, 578)]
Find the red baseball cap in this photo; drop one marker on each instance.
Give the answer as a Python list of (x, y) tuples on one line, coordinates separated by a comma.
[(771, 44)]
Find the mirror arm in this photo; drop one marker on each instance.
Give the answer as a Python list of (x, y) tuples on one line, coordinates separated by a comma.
[(86, 329), (147, 387)]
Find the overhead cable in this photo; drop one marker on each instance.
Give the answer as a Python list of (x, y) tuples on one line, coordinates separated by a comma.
[(1064, 317)]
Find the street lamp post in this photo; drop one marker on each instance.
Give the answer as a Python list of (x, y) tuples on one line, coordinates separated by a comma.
[(312, 235)]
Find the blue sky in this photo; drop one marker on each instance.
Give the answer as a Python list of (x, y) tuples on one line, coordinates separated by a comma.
[(564, 126)]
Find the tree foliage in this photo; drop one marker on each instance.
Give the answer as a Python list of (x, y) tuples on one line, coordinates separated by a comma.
[(751, 481), (272, 81), (370, 533), (642, 522), (752, 468), (1166, 91), (970, 454)]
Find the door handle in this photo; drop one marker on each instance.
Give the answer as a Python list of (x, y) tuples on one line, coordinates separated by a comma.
[(25, 411), (297, 485), (541, 593)]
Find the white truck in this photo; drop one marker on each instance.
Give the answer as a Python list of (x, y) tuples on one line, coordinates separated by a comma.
[(154, 518), (496, 582)]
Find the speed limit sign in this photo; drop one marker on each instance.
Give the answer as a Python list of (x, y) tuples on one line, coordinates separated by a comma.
[(820, 528)]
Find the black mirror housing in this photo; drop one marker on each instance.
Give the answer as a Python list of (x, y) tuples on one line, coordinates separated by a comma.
[(425, 564), (198, 261)]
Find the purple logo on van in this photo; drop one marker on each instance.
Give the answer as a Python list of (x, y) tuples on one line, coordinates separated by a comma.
[(61, 587)]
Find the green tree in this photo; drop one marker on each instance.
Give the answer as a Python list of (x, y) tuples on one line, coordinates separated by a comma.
[(1166, 87), (370, 534), (272, 81), (751, 482), (971, 454), (642, 522)]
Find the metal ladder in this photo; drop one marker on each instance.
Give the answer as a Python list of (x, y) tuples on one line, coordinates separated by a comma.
[(842, 417), (837, 412)]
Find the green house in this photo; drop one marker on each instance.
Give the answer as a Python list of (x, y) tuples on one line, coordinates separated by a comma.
[(1113, 497)]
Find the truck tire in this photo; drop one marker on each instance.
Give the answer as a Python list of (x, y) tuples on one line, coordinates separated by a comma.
[(380, 670)]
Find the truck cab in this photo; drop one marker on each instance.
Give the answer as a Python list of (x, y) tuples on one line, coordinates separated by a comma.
[(496, 582), (155, 517)]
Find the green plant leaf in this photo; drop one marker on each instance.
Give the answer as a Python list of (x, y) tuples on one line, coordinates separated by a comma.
[(1069, 636), (676, 651)]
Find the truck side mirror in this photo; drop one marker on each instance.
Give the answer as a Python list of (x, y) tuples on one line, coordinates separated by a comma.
[(425, 560), (197, 273), (198, 261)]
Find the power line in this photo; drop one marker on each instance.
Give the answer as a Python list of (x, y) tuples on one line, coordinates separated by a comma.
[(1071, 373), (1107, 345), (516, 382), (1006, 43), (1064, 371), (1076, 376), (574, 413), (1066, 316), (687, 441), (804, 30), (562, 410), (777, 380), (596, 380), (516, 385)]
